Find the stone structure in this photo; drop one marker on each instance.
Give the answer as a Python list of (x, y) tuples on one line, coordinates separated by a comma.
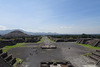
[(62, 40), (48, 47), (15, 34), (92, 42), (6, 60), (32, 39), (19, 40), (6, 43), (70, 40), (96, 57), (56, 64), (83, 40), (10, 42)]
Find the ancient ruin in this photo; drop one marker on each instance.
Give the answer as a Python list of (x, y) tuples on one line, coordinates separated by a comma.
[(96, 57), (56, 64), (92, 42), (6, 60), (48, 47), (6, 43)]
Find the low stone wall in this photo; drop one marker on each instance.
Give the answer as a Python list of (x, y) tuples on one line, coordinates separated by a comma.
[(6, 43), (19, 40), (10, 42), (70, 40), (62, 40)]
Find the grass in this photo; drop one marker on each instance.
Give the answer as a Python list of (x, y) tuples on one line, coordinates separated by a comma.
[(53, 61), (40, 40), (89, 46), (14, 46), (18, 45), (87, 54), (18, 60), (50, 40)]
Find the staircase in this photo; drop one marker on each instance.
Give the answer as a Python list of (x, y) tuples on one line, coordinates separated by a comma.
[(6, 60), (96, 56)]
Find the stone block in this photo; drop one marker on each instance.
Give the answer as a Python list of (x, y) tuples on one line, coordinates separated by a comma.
[(3, 55)]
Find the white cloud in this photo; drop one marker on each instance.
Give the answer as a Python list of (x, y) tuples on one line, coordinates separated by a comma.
[(65, 27), (3, 27)]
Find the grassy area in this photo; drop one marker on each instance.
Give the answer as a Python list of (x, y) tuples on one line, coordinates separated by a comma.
[(18, 60), (40, 40), (50, 40), (14, 46), (87, 54), (18, 45), (89, 46)]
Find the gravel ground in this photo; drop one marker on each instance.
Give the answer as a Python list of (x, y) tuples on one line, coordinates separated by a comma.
[(66, 51)]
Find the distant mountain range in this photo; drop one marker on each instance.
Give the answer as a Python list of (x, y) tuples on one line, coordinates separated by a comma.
[(3, 32)]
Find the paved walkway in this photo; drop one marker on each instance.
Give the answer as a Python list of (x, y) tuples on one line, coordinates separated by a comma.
[(65, 51)]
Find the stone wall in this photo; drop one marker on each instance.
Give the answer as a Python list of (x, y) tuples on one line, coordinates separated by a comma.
[(6, 43), (10, 42), (61, 40)]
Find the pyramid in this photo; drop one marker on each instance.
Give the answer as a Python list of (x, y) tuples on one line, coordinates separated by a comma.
[(15, 33)]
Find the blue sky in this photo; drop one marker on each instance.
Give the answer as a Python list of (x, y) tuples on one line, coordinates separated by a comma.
[(60, 16)]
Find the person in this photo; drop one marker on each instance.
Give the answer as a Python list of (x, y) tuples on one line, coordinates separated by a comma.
[(69, 48)]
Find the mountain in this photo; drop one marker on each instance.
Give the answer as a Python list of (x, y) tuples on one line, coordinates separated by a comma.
[(3, 32)]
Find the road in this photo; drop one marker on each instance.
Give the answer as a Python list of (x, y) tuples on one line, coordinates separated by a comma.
[(66, 51)]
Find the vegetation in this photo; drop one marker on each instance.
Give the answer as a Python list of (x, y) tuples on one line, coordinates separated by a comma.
[(18, 45), (40, 40), (18, 60), (77, 36), (50, 40), (89, 46), (87, 54), (14, 46)]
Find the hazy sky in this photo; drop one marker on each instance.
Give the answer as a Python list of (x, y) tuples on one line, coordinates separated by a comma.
[(61, 16)]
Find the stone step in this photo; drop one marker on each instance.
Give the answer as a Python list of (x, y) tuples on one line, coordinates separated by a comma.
[(3, 55), (0, 51), (3, 63), (94, 57), (97, 54), (12, 61), (80, 40), (98, 51), (8, 58), (55, 64)]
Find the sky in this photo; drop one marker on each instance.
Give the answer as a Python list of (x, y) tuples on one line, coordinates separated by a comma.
[(60, 16)]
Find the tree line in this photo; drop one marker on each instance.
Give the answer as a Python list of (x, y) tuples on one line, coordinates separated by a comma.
[(76, 36)]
